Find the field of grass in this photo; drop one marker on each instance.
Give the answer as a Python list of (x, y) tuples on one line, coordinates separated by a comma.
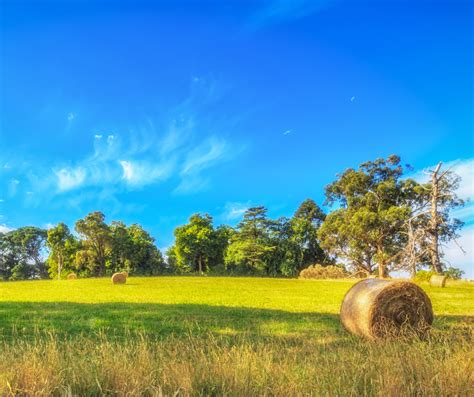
[(220, 336)]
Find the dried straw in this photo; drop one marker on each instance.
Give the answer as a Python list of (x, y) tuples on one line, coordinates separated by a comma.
[(119, 278), (375, 308), (71, 276), (438, 281)]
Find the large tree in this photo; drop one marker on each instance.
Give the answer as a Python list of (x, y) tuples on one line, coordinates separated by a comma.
[(62, 249), (305, 225), (197, 244), (96, 240), (21, 254), (251, 246), (374, 204), (430, 224)]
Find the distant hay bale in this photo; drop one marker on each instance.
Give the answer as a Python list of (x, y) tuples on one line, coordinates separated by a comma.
[(71, 276), (119, 278), (125, 274), (375, 308), (438, 281)]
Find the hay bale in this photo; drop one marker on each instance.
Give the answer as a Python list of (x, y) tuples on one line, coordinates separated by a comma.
[(375, 308), (125, 274), (71, 276), (119, 278), (438, 281)]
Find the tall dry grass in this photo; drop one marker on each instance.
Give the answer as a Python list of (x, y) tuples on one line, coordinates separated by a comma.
[(240, 365)]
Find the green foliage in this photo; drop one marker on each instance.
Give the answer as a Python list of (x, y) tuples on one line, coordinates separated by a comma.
[(62, 250), (198, 246), (424, 275), (367, 228), (95, 241), (21, 254), (133, 250), (251, 246)]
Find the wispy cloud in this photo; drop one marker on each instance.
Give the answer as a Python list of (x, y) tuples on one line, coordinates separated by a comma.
[(235, 210), (171, 147), (279, 11), (207, 154), (68, 179), (287, 132)]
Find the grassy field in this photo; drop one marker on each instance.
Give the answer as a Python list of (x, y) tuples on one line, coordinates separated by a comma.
[(219, 336)]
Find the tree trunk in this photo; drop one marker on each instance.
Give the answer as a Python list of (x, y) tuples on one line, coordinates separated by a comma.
[(382, 272), (434, 222), (60, 265), (200, 264)]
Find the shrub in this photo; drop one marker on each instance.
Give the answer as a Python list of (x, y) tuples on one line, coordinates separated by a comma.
[(319, 271), (424, 275)]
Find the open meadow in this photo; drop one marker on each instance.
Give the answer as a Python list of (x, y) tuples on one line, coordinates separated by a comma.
[(220, 336)]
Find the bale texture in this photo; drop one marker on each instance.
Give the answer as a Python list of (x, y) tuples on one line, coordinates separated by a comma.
[(438, 281), (119, 278), (71, 276), (375, 308), (125, 274)]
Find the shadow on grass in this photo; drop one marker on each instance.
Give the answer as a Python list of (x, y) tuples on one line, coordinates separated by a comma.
[(118, 320), (157, 320)]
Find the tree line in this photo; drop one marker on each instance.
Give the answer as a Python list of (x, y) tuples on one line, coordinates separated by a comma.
[(381, 221)]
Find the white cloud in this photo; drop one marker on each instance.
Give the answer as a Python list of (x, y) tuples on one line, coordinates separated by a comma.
[(353, 98), (233, 210), (147, 154), (287, 132), (71, 116), (453, 255), (68, 179), (127, 170), (5, 229)]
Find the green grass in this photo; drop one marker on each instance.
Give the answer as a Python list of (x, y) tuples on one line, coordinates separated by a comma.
[(213, 336)]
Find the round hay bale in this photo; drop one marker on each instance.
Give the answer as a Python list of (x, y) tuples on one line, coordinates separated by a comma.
[(375, 308), (125, 274), (71, 276), (119, 278), (438, 281)]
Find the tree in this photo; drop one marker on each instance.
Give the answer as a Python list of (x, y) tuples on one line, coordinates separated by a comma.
[(96, 239), (62, 247), (305, 225), (144, 257), (251, 246), (442, 199), (195, 244), (430, 225), (21, 254), (374, 206)]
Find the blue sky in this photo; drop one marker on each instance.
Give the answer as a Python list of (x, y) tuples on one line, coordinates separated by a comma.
[(152, 111)]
